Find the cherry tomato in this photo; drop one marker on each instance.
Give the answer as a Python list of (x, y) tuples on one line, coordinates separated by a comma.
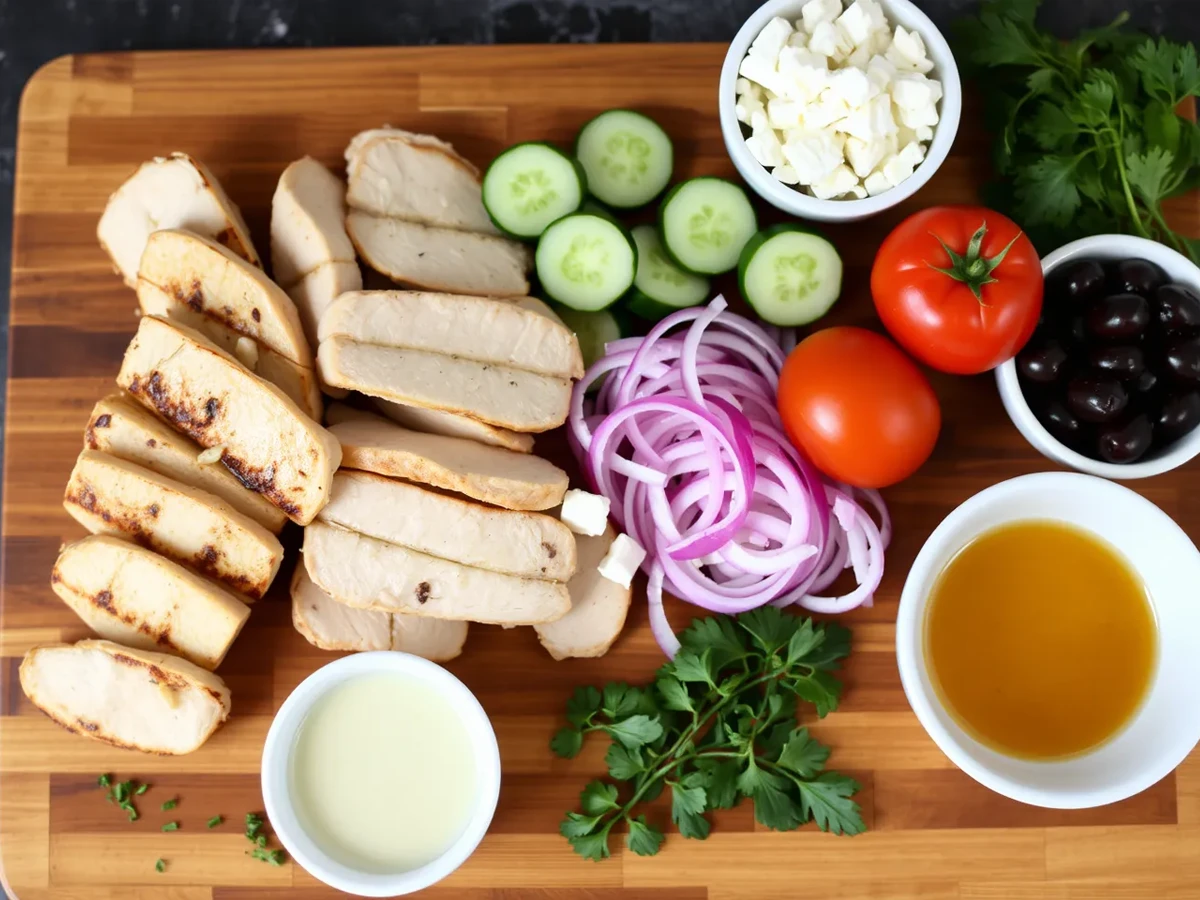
[(959, 287), (857, 407)]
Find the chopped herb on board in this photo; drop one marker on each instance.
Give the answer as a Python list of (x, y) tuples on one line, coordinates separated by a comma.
[(160, 865), (171, 826), (104, 780), (215, 821), (258, 837), (169, 804), (142, 788)]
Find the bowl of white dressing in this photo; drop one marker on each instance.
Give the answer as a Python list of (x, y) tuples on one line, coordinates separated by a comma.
[(380, 774)]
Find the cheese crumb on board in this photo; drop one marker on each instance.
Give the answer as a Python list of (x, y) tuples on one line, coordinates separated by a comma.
[(621, 562), (584, 513)]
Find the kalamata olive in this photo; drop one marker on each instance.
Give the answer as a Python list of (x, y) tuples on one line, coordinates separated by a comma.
[(1137, 276), (1042, 363), (1177, 309), (1182, 360), (1178, 415), (1081, 281), (1060, 423), (1125, 362), (1118, 317), (1096, 399), (1127, 442)]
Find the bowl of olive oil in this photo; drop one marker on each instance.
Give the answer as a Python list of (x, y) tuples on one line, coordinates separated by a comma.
[(1048, 640)]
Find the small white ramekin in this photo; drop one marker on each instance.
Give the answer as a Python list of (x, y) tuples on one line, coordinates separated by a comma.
[(798, 203), (1165, 728), (276, 760), (1102, 246)]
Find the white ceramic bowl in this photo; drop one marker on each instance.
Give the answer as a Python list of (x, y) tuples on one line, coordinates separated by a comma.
[(1102, 246), (798, 203), (1167, 726), (281, 739)]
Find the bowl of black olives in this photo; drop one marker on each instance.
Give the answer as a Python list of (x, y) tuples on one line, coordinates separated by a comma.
[(1110, 381)]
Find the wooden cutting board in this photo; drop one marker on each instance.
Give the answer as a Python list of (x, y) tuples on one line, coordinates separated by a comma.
[(85, 123)]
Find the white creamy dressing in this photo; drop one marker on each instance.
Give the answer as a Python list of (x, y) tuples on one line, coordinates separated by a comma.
[(383, 773)]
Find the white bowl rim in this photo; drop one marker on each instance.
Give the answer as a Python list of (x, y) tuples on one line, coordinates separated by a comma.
[(1183, 450), (910, 622), (278, 748), (798, 203)]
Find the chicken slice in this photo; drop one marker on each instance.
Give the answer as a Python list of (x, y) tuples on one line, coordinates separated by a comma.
[(414, 177), (598, 606), (266, 440), (172, 192), (366, 573), (126, 697), (498, 395), (107, 495), (120, 427), (330, 625), (133, 596), (484, 329), (316, 291), (529, 545), (308, 222), (436, 421), (441, 259), (489, 474)]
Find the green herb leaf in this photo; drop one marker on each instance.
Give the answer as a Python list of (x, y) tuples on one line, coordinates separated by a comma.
[(121, 791), (133, 814), (142, 788), (620, 700), (623, 764), (260, 839), (804, 641), (215, 821), (584, 704), (169, 804), (804, 755), (826, 799), (719, 636), (160, 865), (576, 825), (674, 694), (636, 731), (171, 826), (591, 846), (104, 780), (687, 808), (643, 839), (770, 627), (774, 808), (820, 689), (692, 667), (598, 798), (274, 857), (1149, 173), (834, 647), (567, 742)]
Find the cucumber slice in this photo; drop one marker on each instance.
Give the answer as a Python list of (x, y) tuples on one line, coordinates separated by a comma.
[(627, 156), (660, 287), (585, 261), (530, 185), (705, 223), (790, 275), (594, 330)]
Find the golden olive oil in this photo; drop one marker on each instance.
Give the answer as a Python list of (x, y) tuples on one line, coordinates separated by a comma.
[(1040, 639)]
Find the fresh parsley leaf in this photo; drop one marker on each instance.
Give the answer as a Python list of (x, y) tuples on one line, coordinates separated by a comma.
[(1149, 173), (1046, 193), (169, 804), (687, 808), (104, 780), (775, 808), (598, 798), (142, 788), (591, 846), (215, 821), (171, 826), (720, 782), (754, 777), (576, 825), (804, 640), (674, 694), (803, 754), (583, 705), (719, 636), (643, 839), (623, 764), (567, 742), (692, 667), (636, 731), (620, 700), (1050, 127), (820, 689), (826, 799), (769, 626), (160, 865), (834, 647)]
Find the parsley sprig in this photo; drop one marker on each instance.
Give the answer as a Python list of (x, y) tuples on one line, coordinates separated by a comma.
[(718, 724), (1088, 135)]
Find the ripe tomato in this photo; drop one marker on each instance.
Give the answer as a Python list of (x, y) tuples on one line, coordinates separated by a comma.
[(857, 407), (960, 287)]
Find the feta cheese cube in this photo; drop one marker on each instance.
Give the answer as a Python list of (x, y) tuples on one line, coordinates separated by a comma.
[(864, 156), (742, 86), (924, 133), (921, 115), (828, 110), (764, 146), (762, 72), (840, 181), (859, 56), (798, 39), (852, 85), (584, 513), (856, 22), (784, 114), (912, 153), (912, 91), (904, 135), (907, 51), (828, 38), (875, 14), (804, 73), (858, 192), (876, 183), (771, 39), (896, 169), (786, 174), (881, 70), (813, 155), (814, 12), (871, 121), (622, 560)]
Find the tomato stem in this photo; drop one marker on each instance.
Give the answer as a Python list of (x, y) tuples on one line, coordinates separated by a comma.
[(972, 268)]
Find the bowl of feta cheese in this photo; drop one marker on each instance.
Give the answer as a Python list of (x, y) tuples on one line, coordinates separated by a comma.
[(835, 111)]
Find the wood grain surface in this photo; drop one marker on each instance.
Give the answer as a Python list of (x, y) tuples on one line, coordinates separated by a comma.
[(85, 123)]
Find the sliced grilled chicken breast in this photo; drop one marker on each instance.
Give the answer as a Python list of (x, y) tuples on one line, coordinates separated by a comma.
[(363, 572), (126, 697), (441, 259), (107, 495), (435, 421), (530, 545), (484, 329), (173, 192), (133, 596), (598, 606), (499, 395), (490, 474), (330, 625), (120, 427), (308, 221), (267, 441), (415, 177), (316, 291)]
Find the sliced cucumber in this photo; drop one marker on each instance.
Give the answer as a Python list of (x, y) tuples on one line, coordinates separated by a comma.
[(627, 156), (705, 224), (530, 185), (660, 287), (790, 275), (585, 261), (594, 330)]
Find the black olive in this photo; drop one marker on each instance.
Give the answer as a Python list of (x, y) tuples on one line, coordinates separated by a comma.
[(1177, 309), (1118, 317), (1042, 363), (1126, 363), (1127, 442), (1178, 415), (1182, 360), (1081, 281), (1137, 276), (1060, 423), (1096, 399)]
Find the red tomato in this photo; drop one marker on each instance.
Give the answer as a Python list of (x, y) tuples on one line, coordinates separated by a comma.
[(960, 287), (857, 407)]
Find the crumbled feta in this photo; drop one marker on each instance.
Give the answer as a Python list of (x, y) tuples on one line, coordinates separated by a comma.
[(584, 513), (852, 85), (786, 174), (876, 183), (815, 12), (783, 114), (772, 39), (857, 22), (915, 91), (622, 560), (798, 39), (907, 51), (864, 156), (840, 181), (896, 169), (829, 39), (813, 155), (924, 133), (763, 72), (805, 73), (828, 109)]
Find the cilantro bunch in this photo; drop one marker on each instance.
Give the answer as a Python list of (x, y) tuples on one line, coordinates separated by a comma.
[(717, 724), (1089, 139)]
